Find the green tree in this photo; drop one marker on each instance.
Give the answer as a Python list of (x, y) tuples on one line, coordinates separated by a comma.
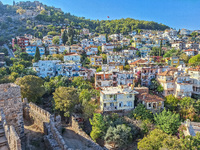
[(65, 99), (184, 57), (195, 60), (56, 40), (31, 87), (140, 112), (160, 89), (157, 140), (99, 69), (37, 55), (171, 102), (167, 121), (98, 126), (138, 53), (85, 96), (64, 37), (118, 136)]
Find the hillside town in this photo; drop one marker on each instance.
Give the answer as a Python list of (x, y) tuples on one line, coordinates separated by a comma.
[(64, 86)]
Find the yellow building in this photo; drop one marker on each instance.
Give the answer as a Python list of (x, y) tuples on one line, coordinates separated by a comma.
[(96, 61), (173, 61), (117, 98)]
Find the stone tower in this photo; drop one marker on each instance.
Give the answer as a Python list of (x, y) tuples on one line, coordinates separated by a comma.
[(11, 104), (13, 3)]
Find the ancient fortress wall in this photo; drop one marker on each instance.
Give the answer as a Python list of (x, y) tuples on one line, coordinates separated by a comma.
[(12, 137), (76, 127), (11, 104), (46, 122)]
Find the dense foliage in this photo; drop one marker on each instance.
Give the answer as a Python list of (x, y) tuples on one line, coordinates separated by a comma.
[(167, 121)]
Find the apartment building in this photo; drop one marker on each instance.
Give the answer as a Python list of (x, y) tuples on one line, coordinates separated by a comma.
[(195, 80), (31, 50), (117, 98), (96, 61)]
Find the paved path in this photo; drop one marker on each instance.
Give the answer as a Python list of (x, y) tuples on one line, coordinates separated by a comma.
[(10, 52)]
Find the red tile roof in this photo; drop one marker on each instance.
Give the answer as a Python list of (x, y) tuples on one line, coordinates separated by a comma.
[(138, 61), (150, 98)]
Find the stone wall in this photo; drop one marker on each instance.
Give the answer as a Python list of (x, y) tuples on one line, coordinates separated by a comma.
[(46, 122), (13, 139), (11, 104), (39, 115), (76, 128)]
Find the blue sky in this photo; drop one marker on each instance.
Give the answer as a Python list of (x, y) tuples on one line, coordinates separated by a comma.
[(174, 13)]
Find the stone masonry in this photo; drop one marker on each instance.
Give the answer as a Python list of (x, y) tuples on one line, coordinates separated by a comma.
[(10, 102)]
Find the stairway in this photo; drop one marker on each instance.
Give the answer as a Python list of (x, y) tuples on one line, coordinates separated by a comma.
[(3, 140)]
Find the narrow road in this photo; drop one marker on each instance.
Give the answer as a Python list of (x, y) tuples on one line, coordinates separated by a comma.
[(10, 52)]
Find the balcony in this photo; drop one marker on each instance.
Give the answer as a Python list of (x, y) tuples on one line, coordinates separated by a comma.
[(110, 108)]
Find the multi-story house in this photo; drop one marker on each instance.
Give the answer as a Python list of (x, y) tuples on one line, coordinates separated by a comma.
[(125, 42), (117, 98), (96, 60), (125, 77), (195, 80), (166, 79), (91, 50), (192, 45), (85, 31), (72, 57), (129, 54), (67, 69), (107, 48), (45, 68), (63, 48), (101, 39), (173, 61), (116, 58), (53, 50), (176, 83), (137, 44), (103, 79), (36, 41), (191, 52), (183, 85), (76, 49), (111, 67), (86, 43), (31, 49), (144, 51), (178, 45), (185, 32), (48, 40), (113, 78), (22, 42), (147, 74), (151, 102), (117, 37)]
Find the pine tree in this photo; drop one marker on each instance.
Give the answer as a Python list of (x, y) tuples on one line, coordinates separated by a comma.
[(64, 37), (37, 55)]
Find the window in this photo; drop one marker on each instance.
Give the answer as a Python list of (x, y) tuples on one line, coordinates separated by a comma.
[(120, 104), (129, 103), (111, 96), (149, 104), (111, 104), (104, 104)]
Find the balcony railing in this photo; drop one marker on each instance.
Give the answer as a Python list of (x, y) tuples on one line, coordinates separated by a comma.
[(110, 108)]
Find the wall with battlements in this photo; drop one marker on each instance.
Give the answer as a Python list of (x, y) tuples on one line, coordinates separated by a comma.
[(46, 122), (12, 137), (76, 127), (11, 104)]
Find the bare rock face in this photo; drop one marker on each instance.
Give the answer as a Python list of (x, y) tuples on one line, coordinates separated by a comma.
[(11, 104)]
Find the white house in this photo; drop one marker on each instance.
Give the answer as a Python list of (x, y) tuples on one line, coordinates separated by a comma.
[(72, 57)]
